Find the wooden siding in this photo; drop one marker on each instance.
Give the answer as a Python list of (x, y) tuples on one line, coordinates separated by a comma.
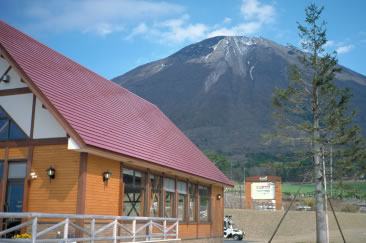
[(187, 231), (102, 198), (2, 153), (58, 195), (217, 211), (204, 230), (18, 153)]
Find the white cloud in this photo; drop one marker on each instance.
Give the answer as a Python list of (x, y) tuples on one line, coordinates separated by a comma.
[(253, 10), (140, 29), (150, 19), (330, 43), (227, 20), (340, 47), (344, 49), (254, 13), (94, 16), (176, 30), (241, 29)]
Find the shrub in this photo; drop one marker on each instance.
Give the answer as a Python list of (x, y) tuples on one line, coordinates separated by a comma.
[(22, 236), (350, 208), (310, 203)]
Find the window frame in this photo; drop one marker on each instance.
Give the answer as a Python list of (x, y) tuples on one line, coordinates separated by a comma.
[(209, 203), (195, 203), (160, 195), (184, 206), (173, 201), (141, 188)]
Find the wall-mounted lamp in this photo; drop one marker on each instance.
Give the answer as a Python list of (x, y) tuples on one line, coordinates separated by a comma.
[(218, 196), (51, 173), (107, 175), (5, 79)]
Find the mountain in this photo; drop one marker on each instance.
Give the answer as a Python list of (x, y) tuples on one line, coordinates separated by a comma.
[(218, 91)]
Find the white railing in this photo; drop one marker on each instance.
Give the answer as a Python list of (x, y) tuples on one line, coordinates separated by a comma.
[(113, 228)]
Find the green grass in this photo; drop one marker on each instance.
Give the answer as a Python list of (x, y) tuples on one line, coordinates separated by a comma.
[(350, 189)]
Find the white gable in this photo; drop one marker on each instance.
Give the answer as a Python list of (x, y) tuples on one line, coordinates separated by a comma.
[(45, 125), (14, 77)]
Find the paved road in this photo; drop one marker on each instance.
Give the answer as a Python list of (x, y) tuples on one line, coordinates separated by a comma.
[(242, 241)]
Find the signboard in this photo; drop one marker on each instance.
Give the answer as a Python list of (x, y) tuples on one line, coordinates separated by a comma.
[(263, 190)]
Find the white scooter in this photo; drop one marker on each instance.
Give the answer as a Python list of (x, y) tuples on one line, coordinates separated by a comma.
[(230, 231)]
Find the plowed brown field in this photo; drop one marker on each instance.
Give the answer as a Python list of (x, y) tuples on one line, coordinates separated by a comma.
[(298, 227)]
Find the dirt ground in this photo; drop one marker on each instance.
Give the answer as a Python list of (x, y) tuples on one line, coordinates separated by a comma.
[(298, 227)]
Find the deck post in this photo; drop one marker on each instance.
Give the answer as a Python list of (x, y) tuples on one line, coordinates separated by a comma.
[(150, 230), (176, 230), (115, 231), (164, 230), (34, 229), (92, 229), (66, 229), (134, 230)]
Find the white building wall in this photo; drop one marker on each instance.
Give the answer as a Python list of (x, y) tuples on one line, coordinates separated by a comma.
[(45, 125), (14, 77), (19, 107)]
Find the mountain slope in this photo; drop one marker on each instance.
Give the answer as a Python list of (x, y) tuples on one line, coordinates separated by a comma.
[(218, 91)]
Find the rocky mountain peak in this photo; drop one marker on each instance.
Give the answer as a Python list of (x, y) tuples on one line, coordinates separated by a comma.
[(218, 91)]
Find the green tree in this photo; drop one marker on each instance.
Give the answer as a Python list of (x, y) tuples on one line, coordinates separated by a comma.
[(219, 160), (312, 112)]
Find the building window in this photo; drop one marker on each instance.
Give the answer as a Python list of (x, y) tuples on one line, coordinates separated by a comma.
[(182, 197), (15, 186), (204, 193), (134, 195), (156, 202), (169, 190), (9, 130), (192, 190)]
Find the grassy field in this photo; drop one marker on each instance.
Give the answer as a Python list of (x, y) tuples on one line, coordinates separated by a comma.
[(349, 189), (298, 227)]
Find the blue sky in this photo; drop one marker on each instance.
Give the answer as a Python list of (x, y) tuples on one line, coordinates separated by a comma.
[(112, 37)]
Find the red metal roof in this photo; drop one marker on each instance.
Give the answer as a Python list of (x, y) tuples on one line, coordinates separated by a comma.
[(104, 114)]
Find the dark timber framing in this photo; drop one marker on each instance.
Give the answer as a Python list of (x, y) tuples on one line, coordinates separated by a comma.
[(81, 196), (17, 91), (5, 73), (80, 207), (34, 142), (5, 180)]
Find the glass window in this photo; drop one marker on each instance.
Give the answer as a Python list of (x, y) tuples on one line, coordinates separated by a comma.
[(15, 132), (1, 170), (15, 196), (155, 207), (8, 129), (182, 192), (4, 124), (17, 170), (134, 194), (204, 192), (2, 114), (169, 187), (192, 189)]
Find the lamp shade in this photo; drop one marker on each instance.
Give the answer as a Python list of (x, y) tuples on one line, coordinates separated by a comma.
[(51, 172), (107, 175)]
